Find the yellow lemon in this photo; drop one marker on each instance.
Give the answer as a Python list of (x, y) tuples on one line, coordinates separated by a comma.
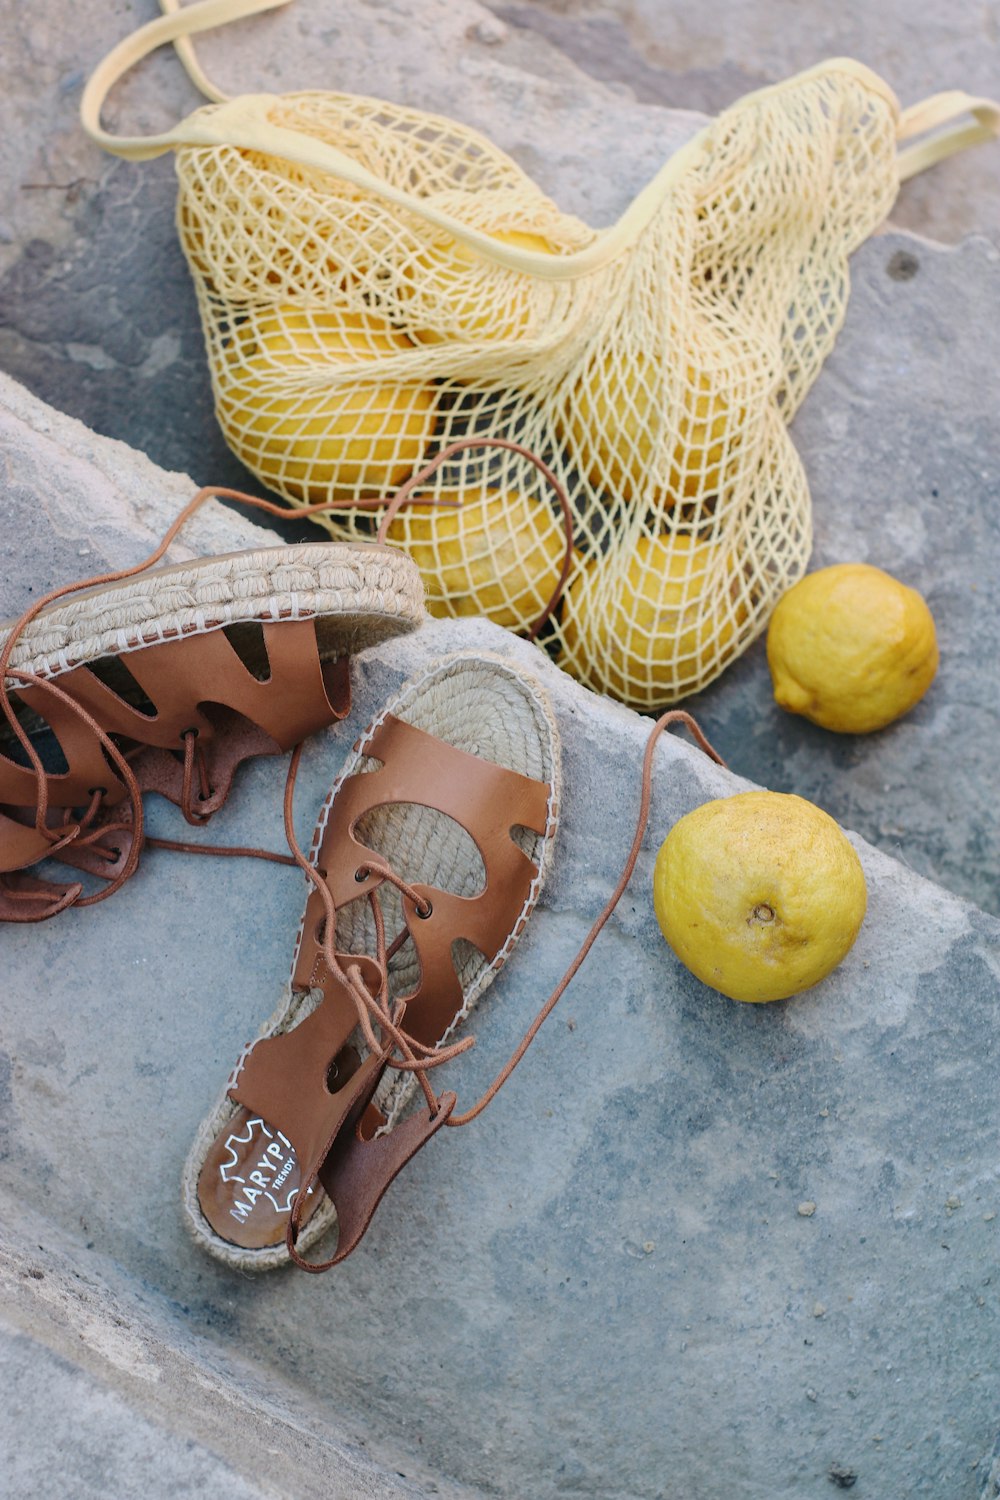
[(851, 648), (491, 554), (618, 423), (315, 439), (669, 624), (470, 299), (760, 895)]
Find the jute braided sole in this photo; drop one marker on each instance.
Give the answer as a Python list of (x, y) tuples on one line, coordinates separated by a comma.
[(358, 593), (487, 706)]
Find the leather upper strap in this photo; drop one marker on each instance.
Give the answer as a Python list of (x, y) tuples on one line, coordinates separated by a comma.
[(195, 683), (289, 1078), (488, 801)]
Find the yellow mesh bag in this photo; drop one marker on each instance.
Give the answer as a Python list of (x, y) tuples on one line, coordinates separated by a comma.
[(376, 282)]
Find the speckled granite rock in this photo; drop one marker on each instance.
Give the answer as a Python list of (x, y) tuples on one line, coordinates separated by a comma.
[(607, 1286)]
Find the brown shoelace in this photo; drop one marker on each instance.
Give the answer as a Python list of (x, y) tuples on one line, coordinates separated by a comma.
[(84, 832)]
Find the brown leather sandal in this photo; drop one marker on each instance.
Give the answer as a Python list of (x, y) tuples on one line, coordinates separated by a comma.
[(165, 680), (430, 853)]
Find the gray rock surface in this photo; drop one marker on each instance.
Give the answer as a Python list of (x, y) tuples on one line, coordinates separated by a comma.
[(702, 57), (88, 1442), (606, 1286), (110, 1392)]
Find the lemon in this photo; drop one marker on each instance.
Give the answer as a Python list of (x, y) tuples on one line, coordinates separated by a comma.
[(491, 554), (314, 440), (851, 648), (618, 423), (467, 297), (668, 624), (760, 895)]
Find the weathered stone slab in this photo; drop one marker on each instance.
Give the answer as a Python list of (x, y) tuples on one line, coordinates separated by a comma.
[(109, 1391), (704, 57), (61, 1426), (605, 1286)]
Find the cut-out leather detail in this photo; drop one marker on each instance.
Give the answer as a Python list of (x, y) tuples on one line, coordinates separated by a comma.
[(284, 1082), (185, 679), (247, 639), (421, 830), (113, 671), (486, 799)]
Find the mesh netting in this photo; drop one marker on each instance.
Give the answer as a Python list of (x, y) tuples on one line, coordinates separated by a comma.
[(351, 338)]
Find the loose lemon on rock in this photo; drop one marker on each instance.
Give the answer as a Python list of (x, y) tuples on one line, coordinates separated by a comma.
[(619, 419), (494, 554), (470, 297), (662, 626), (299, 404), (760, 895), (851, 648)]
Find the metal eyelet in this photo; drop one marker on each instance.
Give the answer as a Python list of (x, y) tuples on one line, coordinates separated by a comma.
[(361, 874), (427, 911)]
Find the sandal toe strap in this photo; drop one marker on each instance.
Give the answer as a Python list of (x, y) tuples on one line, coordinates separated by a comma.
[(489, 802)]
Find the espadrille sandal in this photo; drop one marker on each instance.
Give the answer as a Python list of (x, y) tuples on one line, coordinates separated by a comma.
[(167, 679), (430, 853)]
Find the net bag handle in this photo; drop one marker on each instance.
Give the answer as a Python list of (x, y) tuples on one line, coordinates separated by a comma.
[(946, 110), (244, 124)]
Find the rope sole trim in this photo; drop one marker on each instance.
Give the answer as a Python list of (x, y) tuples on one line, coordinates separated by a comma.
[(367, 587)]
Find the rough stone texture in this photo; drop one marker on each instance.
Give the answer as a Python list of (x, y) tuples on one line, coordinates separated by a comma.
[(61, 1424), (604, 1287), (111, 1391), (702, 57), (991, 1474)]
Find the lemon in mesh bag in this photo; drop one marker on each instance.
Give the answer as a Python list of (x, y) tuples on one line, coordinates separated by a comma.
[(456, 296), (484, 554), (649, 626), (346, 434), (654, 364), (617, 418)]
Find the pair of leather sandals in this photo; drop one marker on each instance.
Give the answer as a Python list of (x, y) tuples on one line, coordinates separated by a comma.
[(429, 854)]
